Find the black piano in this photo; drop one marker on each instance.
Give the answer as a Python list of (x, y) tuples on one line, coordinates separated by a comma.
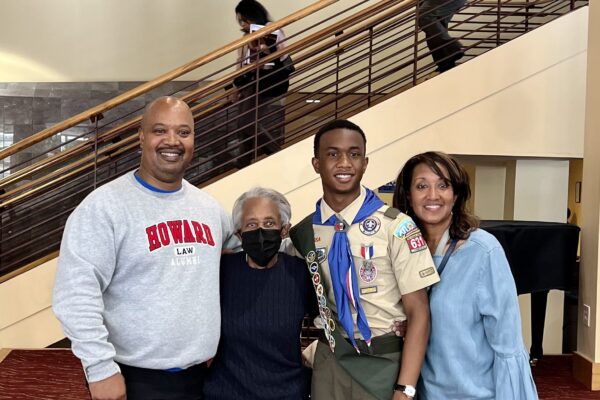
[(542, 256)]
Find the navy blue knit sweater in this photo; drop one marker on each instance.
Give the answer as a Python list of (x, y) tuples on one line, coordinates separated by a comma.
[(262, 312)]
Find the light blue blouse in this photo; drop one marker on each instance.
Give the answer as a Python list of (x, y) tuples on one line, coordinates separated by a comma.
[(475, 349)]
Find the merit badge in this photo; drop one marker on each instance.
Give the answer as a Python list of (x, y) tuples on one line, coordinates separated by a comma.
[(313, 267), (331, 343), (316, 278), (322, 313), (404, 227), (368, 271), (416, 242), (370, 226), (321, 254), (331, 324), (320, 289), (327, 312), (310, 257), (322, 301)]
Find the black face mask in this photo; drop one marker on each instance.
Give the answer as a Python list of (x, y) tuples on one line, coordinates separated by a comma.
[(261, 245)]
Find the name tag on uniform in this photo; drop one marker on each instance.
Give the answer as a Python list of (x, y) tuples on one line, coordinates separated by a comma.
[(368, 290), (424, 273)]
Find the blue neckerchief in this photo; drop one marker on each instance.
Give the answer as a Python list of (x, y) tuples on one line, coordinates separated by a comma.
[(341, 267)]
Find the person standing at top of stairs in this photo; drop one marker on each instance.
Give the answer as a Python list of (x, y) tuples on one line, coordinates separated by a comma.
[(433, 19)]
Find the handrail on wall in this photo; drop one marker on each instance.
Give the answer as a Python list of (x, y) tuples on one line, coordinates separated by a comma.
[(388, 7), (349, 63)]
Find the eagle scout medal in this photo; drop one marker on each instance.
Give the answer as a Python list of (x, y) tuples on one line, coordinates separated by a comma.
[(370, 226), (368, 271)]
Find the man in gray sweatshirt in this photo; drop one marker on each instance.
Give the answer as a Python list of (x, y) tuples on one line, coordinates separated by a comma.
[(137, 288)]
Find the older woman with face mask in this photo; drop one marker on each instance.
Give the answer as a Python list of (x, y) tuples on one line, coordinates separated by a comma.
[(265, 295), (475, 349)]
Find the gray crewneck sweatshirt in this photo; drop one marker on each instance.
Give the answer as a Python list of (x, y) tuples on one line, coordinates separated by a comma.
[(138, 277)]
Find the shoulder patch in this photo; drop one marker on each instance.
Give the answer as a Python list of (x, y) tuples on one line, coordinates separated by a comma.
[(404, 227), (416, 242)]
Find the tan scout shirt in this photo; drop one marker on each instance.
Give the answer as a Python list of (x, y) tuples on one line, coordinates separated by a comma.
[(400, 264)]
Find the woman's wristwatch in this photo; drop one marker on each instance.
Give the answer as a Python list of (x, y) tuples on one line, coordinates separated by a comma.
[(408, 390)]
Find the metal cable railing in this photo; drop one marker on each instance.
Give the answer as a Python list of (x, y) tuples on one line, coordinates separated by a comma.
[(343, 65)]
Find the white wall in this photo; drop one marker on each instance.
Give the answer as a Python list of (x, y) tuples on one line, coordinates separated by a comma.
[(541, 190), (489, 185), (116, 40)]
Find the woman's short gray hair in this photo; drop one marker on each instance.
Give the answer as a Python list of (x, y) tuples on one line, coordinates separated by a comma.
[(285, 210)]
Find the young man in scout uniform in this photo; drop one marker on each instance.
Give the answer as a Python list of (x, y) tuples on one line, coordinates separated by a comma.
[(370, 266)]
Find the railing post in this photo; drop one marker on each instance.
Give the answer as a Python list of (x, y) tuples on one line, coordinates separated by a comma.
[(498, 24), (526, 16), (337, 76), (416, 42), (95, 118), (256, 93), (370, 66)]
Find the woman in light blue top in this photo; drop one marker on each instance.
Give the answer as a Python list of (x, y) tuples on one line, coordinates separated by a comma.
[(475, 349)]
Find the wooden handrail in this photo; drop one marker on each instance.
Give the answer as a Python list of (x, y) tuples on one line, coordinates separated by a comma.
[(515, 2), (217, 84), (169, 76), (202, 91), (79, 160), (207, 89), (388, 8), (382, 10)]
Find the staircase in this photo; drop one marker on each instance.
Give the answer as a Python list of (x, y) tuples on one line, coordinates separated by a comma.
[(350, 65)]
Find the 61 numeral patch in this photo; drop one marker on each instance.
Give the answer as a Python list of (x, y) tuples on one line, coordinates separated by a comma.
[(416, 243)]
